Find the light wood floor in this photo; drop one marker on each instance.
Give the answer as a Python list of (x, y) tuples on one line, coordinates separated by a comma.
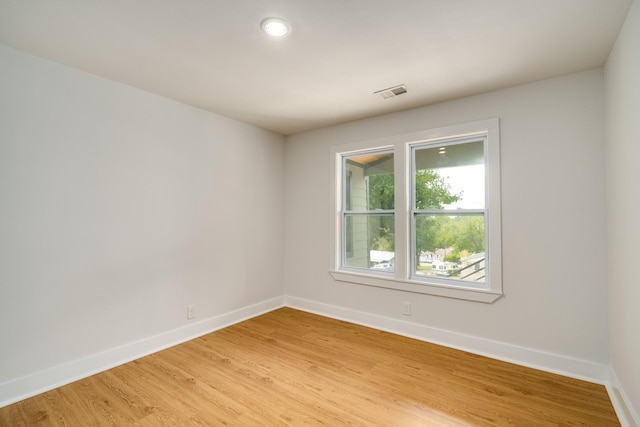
[(290, 368)]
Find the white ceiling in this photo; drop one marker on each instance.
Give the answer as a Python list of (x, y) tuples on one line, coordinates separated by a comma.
[(211, 53)]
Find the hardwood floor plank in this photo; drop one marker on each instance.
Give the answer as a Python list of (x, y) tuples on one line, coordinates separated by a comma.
[(291, 368)]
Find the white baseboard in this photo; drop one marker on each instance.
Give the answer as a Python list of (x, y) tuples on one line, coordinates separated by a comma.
[(621, 403), (30, 385), (555, 363)]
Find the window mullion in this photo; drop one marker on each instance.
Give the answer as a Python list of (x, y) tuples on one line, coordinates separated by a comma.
[(402, 202)]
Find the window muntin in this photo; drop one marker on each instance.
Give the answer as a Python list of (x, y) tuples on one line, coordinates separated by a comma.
[(448, 215), (368, 214)]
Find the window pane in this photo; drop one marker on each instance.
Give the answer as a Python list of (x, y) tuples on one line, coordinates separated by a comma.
[(450, 247), (369, 182), (369, 241), (450, 176)]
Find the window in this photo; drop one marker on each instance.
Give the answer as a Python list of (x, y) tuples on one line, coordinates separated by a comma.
[(448, 220), (420, 212), (368, 216)]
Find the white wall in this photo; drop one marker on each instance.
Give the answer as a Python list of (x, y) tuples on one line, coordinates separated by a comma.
[(622, 83), (554, 241), (118, 209)]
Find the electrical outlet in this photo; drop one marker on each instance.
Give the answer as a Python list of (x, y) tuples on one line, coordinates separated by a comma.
[(406, 308), (191, 312)]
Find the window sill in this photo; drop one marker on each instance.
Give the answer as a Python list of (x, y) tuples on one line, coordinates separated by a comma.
[(457, 292)]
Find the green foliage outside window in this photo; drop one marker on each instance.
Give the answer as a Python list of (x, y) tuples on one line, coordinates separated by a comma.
[(462, 233)]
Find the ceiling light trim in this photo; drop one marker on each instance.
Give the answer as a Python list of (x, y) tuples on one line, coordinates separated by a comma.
[(275, 27)]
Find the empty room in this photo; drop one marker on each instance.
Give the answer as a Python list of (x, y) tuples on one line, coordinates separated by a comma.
[(338, 212)]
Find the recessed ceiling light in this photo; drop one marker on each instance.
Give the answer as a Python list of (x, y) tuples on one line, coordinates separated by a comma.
[(275, 27)]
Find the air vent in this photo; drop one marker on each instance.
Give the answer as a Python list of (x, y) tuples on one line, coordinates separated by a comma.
[(392, 91)]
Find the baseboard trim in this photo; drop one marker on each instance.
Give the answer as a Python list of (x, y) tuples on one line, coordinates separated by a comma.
[(621, 403), (549, 362), (39, 382)]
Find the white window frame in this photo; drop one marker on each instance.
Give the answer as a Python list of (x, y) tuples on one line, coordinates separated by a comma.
[(402, 278), (345, 211)]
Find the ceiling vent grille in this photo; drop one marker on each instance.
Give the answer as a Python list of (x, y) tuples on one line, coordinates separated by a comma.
[(392, 91)]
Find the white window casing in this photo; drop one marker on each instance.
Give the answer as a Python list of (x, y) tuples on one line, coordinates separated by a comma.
[(403, 274)]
